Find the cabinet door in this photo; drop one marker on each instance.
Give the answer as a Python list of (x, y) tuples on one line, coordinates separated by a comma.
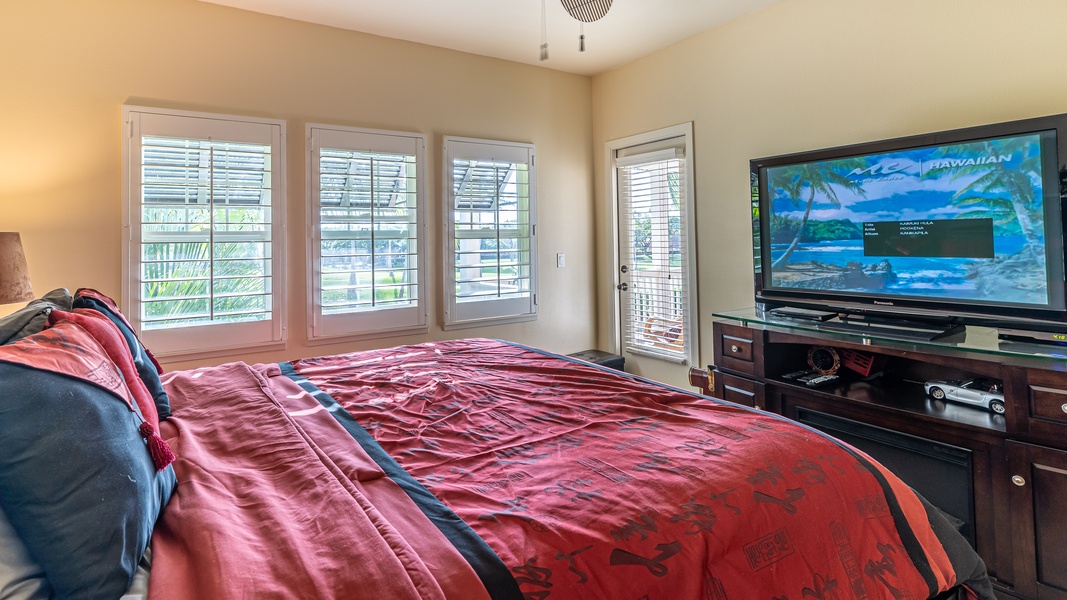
[(1039, 520), (740, 390)]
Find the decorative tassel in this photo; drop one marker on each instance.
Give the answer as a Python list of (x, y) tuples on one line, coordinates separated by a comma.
[(157, 447)]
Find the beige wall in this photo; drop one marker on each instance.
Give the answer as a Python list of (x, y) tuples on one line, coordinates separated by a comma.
[(807, 74), (801, 74), (67, 67)]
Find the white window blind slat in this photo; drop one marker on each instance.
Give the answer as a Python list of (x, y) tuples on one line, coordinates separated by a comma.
[(483, 193), (652, 205), (376, 192), (649, 157), (210, 173)]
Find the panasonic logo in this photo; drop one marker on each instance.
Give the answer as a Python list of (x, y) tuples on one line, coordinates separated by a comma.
[(883, 303)]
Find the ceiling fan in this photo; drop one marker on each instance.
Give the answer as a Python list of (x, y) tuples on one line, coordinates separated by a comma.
[(585, 11)]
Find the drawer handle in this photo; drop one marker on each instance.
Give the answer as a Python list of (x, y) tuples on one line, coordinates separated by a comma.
[(1063, 407), (731, 388), (1018, 480), (735, 349)]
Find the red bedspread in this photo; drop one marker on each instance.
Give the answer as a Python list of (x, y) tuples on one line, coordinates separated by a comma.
[(589, 484), (276, 501), (585, 483)]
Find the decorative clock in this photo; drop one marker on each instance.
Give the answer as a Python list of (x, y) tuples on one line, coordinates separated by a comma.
[(824, 360)]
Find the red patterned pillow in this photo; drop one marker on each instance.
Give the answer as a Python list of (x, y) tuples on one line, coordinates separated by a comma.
[(147, 366)]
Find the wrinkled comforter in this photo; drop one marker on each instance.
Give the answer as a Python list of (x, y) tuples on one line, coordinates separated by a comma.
[(480, 468)]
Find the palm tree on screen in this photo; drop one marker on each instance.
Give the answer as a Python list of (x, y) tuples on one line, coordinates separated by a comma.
[(1004, 190), (810, 180)]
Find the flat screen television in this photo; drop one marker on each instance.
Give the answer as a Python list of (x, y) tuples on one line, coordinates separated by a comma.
[(962, 226)]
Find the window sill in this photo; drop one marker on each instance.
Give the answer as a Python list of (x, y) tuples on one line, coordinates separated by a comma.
[(324, 340), (489, 321), (192, 355)]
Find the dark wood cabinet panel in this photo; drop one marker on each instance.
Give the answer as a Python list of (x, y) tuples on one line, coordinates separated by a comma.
[(1039, 519), (740, 390)]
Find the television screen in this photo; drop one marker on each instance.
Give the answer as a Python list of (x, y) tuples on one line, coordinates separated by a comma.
[(948, 223)]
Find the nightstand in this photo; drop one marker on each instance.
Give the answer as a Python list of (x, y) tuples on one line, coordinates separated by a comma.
[(600, 357)]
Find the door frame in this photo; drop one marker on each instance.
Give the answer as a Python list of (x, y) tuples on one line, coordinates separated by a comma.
[(684, 130)]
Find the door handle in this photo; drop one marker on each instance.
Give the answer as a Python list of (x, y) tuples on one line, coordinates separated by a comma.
[(623, 286)]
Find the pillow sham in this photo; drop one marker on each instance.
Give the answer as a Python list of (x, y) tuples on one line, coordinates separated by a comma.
[(147, 367), (107, 334), (80, 486), (33, 317)]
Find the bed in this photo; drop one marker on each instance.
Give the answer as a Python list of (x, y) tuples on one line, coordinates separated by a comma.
[(461, 469)]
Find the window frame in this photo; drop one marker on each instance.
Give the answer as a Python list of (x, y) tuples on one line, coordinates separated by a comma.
[(374, 323), (457, 314), (202, 340)]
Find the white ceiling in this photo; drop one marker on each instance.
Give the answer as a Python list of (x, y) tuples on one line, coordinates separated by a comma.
[(511, 29)]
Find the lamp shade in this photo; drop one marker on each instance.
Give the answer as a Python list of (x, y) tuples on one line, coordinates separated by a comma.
[(14, 276)]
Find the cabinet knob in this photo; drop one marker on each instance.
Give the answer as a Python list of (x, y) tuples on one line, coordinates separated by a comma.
[(1063, 407), (736, 348), (1018, 480)]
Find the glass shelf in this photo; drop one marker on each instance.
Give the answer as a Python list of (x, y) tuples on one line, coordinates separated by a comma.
[(974, 341)]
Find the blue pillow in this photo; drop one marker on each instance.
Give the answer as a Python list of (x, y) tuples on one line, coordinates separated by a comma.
[(146, 368), (33, 317), (79, 485)]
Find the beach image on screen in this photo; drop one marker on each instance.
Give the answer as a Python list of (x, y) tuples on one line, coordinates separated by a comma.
[(958, 222)]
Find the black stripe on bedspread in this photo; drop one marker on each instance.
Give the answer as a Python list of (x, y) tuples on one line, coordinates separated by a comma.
[(490, 569)]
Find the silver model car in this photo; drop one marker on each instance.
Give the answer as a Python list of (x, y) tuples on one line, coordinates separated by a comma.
[(980, 391)]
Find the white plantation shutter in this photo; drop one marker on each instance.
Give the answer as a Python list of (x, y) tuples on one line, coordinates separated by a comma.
[(492, 248), (654, 225), (203, 243), (366, 238)]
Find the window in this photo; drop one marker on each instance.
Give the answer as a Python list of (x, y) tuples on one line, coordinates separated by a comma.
[(366, 221), (204, 230), (655, 207), (491, 273)]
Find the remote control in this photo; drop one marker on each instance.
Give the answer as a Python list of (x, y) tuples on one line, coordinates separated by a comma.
[(796, 374), (821, 380)]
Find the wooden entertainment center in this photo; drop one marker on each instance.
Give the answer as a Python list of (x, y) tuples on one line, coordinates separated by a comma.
[(1003, 477)]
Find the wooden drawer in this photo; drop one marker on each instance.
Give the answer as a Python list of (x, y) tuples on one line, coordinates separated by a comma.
[(1040, 407), (740, 390), (1049, 404), (739, 349)]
